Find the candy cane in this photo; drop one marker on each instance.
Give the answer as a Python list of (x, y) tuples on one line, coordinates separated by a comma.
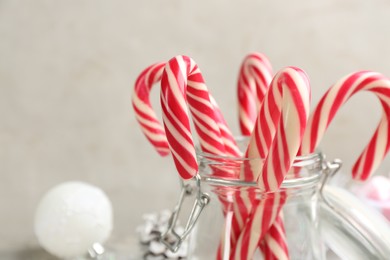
[(146, 117), (285, 108), (274, 244), (181, 82), (151, 126), (254, 78), (334, 98), (181, 79)]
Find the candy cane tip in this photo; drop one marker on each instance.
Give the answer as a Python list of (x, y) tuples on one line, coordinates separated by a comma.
[(163, 153), (360, 175)]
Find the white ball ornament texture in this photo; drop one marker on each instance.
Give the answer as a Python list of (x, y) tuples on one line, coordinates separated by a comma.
[(71, 217)]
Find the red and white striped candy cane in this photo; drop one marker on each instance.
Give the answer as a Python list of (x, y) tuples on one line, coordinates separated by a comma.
[(146, 117), (148, 121), (253, 80), (331, 102), (285, 110), (274, 244), (182, 82)]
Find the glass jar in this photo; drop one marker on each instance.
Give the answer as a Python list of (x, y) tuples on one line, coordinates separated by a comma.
[(299, 204), (220, 203)]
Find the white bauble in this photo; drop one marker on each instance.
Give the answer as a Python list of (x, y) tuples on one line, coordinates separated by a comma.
[(71, 217)]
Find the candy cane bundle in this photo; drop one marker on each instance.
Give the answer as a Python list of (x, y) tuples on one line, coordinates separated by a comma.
[(277, 134)]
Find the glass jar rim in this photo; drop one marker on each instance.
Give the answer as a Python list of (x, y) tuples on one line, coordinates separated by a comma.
[(287, 183), (316, 158), (300, 160)]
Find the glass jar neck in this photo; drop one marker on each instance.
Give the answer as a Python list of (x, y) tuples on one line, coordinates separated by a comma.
[(225, 171)]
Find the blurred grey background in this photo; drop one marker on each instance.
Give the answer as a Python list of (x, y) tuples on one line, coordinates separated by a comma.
[(67, 70)]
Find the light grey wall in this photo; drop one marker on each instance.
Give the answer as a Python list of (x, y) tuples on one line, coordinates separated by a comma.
[(67, 69)]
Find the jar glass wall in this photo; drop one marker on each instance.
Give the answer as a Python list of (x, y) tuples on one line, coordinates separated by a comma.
[(297, 201)]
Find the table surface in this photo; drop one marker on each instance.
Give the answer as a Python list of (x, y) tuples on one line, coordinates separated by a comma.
[(127, 248)]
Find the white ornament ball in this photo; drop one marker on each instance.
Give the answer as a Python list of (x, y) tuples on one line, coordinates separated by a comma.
[(71, 217)]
